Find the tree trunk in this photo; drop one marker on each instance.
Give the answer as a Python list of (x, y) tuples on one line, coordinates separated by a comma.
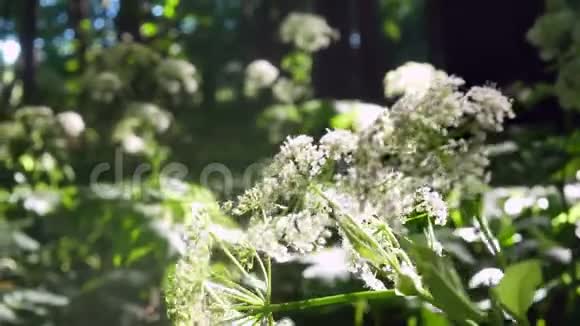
[(27, 36), (128, 19), (79, 10), (373, 53), (337, 69)]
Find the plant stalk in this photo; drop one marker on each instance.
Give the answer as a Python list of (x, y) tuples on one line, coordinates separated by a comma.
[(339, 299)]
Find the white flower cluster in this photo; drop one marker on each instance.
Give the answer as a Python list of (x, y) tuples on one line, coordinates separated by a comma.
[(71, 122), (133, 144), (362, 187), (489, 107), (135, 130), (41, 119), (412, 77), (105, 87), (431, 203), (41, 202), (307, 32), (362, 114), (187, 293), (198, 293), (260, 74), (276, 227), (377, 176), (338, 144), (176, 76), (152, 115)]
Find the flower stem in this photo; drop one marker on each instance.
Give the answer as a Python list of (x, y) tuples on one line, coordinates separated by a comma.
[(490, 239), (338, 299)]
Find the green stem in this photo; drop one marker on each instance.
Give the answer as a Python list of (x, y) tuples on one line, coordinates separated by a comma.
[(338, 299), (269, 270), (236, 263), (491, 240), (269, 289), (359, 312)]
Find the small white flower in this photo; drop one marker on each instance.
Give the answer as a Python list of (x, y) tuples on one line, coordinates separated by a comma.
[(468, 234), (489, 107), (159, 118), (307, 32), (543, 203), (301, 153), (285, 322), (71, 122), (338, 143), (432, 203), (133, 144), (370, 279), (174, 75), (41, 202), (486, 277), (411, 78), (516, 204), (572, 192), (365, 114), (261, 74), (190, 85)]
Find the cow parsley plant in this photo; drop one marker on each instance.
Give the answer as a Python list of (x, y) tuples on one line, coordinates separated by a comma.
[(370, 189)]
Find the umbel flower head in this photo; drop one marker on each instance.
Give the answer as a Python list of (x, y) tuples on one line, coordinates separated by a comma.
[(307, 32), (412, 77), (71, 122), (398, 166), (199, 292), (260, 74), (363, 187), (175, 76)]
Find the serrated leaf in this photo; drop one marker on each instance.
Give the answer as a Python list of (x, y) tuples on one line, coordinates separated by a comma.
[(445, 285), (516, 289), (448, 298)]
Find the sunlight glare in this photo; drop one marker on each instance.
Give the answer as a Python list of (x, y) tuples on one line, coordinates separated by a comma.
[(9, 51)]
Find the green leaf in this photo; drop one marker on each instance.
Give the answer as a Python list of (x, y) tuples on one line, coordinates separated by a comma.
[(149, 29), (445, 285), (343, 120), (27, 162), (392, 30), (452, 300), (137, 254), (517, 287), (432, 318)]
